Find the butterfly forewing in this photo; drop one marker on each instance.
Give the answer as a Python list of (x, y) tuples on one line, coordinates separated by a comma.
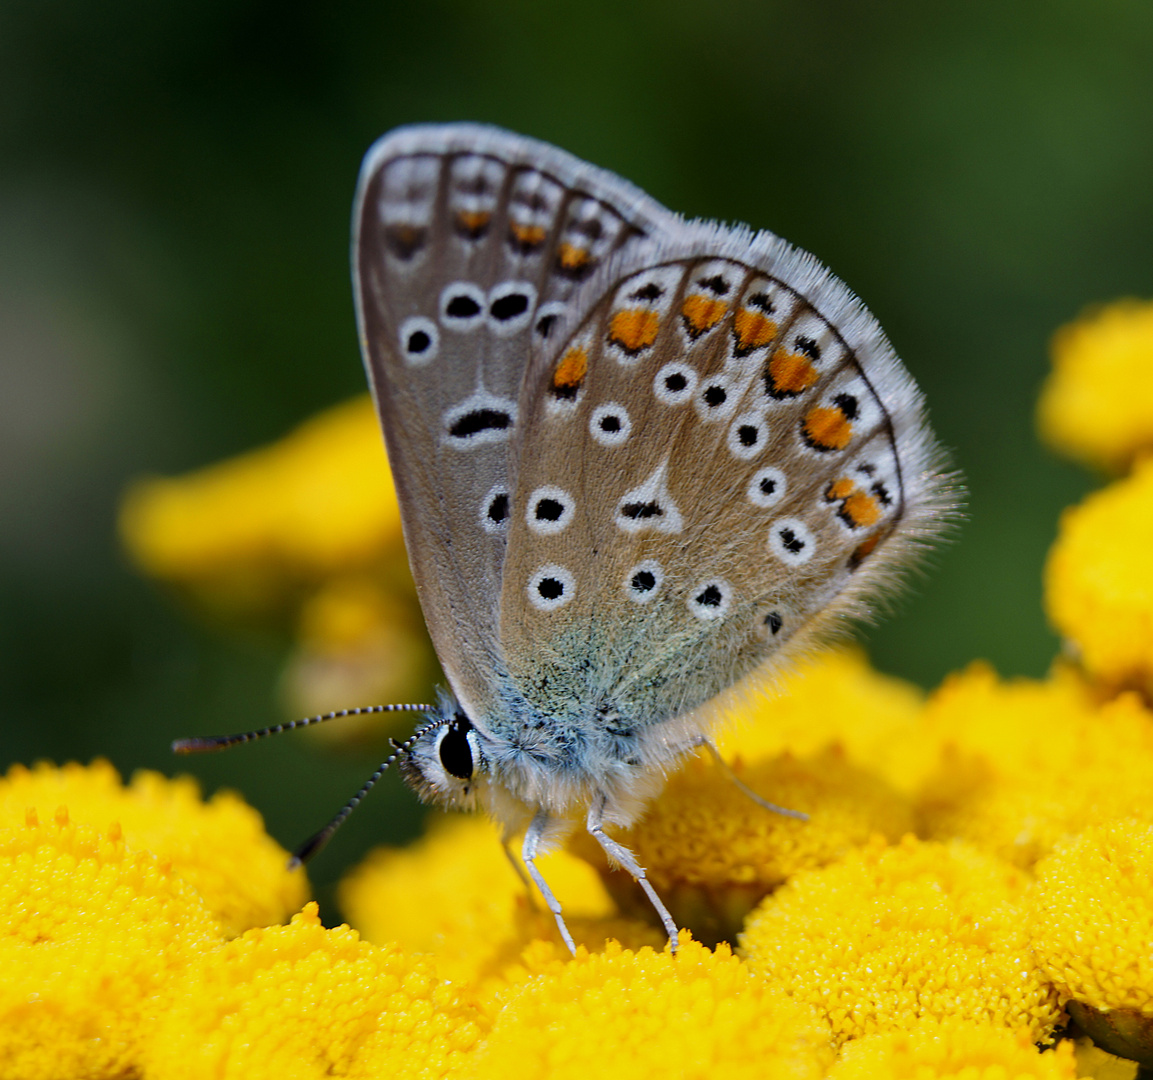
[(707, 472), (469, 246)]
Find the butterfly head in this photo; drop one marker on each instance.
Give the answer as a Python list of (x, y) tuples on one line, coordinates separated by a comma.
[(443, 760)]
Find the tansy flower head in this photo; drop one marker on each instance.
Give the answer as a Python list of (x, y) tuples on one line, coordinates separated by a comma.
[(317, 502), (358, 638), (1098, 403), (455, 895), (712, 853), (90, 932), (953, 1049), (835, 699), (307, 529), (1026, 763), (650, 1014), (219, 847), (1099, 579), (1091, 923), (889, 936), (304, 1002)]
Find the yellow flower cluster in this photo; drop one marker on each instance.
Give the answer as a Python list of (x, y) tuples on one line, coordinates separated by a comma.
[(1092, 920), (115, 964), (218, 847), (1024, 764), (91, 930), (955, 1049), (301, 1001), (890, 935), (646, 1014), (974, 870)]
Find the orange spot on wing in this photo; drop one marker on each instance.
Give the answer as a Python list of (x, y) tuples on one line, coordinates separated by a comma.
[(405, 240), (571, 257), (570, 372), (752, 330), (790, 373), (861, 510), (527, 237), (827, 429), (840, 489), (634, 329), (473, 222), (702, 313), (863, 551)]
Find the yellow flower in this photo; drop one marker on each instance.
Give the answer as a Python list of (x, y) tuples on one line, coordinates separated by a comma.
[(1098, 403), (90, 932), (835, 699), (1027, 763), (219, 847), (1091, 916), (647, 1014), (712, 853), (889, 936), (357, 641), (246, 531), (1099, 580), (298, 1002), (306, 529), (455, 895), (953, 1049)]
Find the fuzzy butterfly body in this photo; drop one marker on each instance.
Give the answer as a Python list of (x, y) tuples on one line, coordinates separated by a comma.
[(638, 459)]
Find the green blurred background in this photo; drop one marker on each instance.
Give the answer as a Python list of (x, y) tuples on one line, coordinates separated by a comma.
[(175, 188)]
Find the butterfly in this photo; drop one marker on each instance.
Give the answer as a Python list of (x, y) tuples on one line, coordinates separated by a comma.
[(640, 460)]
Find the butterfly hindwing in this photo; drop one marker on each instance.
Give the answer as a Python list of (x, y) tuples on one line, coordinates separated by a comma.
[(723, 479)]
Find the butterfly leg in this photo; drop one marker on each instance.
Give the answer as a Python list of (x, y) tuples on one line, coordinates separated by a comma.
[(727, 769), (532, 838), (621, 855), (518, 868)]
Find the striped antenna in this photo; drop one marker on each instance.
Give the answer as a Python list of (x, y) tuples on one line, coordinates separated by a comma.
[(208, 743), (315, 843)]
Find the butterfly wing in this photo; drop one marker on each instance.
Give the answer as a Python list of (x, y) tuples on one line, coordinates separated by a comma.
[(741, 462), (468, 245)]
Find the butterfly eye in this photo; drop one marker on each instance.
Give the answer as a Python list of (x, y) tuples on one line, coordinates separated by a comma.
[(455, 748)]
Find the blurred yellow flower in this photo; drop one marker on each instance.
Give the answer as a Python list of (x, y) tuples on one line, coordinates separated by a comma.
[(318, 502), (455, 895), (1097, 404), (1091, 916), (1099, 580), (219, 847), (299, 1002), (891, 935), (357, 640), (306, 528), (91, 930), (650, 1014), (953, 1049), (1026, 763)]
